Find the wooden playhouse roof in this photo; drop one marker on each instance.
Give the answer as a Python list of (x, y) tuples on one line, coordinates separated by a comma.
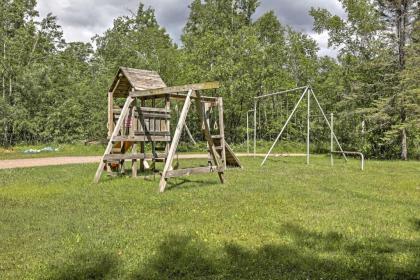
[(128, 79)]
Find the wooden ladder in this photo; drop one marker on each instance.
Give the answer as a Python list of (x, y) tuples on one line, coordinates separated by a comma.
[(114, 138)]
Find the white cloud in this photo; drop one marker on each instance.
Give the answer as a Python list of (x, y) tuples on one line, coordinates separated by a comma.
[(82, 19), (322, 40)]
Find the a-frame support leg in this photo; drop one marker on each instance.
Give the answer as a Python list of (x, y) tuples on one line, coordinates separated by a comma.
[(206, 130), (175, 140), (117, 129)]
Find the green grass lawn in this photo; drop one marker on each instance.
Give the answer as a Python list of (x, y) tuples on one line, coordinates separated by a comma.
[(283, 221)]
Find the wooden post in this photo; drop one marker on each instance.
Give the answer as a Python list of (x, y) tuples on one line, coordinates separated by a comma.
[(202, 112), (222, 130), (117, 128), (134, 162), (168, 128), (206, 107), (110, 113), (175, 140), (142, 146), (133, 129), (110, 121)]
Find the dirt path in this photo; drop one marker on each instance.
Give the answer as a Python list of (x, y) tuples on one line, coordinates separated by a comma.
[(34, 162)]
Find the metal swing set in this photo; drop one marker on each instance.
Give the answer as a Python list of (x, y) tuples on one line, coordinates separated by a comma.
[(308, 92)]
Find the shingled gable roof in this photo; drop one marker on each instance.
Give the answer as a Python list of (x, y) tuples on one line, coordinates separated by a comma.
[(129, 78)]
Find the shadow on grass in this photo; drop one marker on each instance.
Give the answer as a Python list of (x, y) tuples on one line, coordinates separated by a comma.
[(96, 265), (307, 255), (185, 257), (185, 183), (416, 223)]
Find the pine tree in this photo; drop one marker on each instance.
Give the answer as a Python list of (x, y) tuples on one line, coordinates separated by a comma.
[(410, 85), (399, 17)]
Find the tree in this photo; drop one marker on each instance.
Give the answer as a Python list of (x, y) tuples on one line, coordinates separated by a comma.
[(399, 17), (410, 86), (371, 68), (249, 57), (137, 41)]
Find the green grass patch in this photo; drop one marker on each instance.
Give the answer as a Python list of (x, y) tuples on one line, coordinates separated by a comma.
[(283, 221)]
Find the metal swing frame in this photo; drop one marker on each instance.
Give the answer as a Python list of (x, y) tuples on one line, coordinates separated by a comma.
[(308, 91)]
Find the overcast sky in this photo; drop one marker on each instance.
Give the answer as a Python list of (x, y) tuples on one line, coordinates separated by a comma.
[(82, 19)]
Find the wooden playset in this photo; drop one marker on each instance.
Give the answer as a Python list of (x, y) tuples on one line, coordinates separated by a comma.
[(144, 122)]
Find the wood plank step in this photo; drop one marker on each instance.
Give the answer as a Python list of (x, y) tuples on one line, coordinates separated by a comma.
[(152, 133), (117, 110), (154, 116), (141, 138), (113, 157), (153, 109), (193, 170)]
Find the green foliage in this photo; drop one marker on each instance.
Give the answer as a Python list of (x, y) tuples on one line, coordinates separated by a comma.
[(137, 41), (249, 58), (55, 91), (371, 75)]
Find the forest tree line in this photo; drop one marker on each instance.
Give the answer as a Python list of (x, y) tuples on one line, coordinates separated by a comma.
[(55, 91)]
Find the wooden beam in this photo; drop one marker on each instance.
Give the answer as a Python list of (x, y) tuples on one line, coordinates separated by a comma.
[(117, 110), (192, 170), (154, 110), (212, 100), (167, 125), (153, 133), (175, 89), (134, 162), (222, 130), (175, 140), (116, 157), (143, 164), (181, 96), (133, 129), (110, 113), (146, 138), (117, 128), (206, 130), (154, 115)]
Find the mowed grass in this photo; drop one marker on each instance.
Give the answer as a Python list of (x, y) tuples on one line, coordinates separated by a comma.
[(283, 221)]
